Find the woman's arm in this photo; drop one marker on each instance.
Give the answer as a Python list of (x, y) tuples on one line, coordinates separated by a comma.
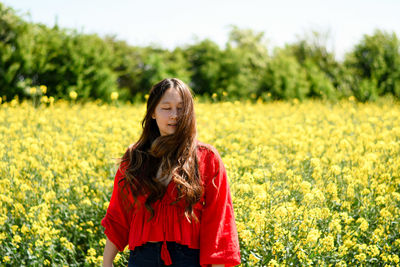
[(219, 242), (217, 265), (117, 220), (110, 251)]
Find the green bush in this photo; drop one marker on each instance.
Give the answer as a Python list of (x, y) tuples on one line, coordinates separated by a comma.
[(375, 62), (285, 78), (320, 85), (13, 52), (72, 62), (204, 64), (33, 54)]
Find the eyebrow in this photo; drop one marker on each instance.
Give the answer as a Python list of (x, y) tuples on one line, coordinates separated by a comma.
[(167, 102)]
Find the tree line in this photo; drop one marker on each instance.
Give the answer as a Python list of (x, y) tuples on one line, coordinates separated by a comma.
[(65, 61)]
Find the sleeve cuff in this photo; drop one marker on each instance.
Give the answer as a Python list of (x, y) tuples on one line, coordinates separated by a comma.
[(115, 233)]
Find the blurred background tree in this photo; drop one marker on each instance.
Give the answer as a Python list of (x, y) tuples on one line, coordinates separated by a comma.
[(204, 65), (322, 69), (284, 77), (374, 64), (32, 54), (243, 63), (14, 33)]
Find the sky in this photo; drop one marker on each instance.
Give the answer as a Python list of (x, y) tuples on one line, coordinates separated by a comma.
[(179, 22)]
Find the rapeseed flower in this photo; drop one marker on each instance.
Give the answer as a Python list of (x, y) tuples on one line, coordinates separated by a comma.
[(114, 96), (322, 179), (73, 95)]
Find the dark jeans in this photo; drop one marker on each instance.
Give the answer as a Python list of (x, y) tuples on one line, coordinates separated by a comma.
[(149, 255)]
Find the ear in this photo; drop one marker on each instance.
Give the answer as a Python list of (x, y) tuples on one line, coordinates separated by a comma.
[(153, 115)]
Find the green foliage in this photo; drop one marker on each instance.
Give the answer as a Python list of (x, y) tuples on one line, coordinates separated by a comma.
[(129, 64), (13, 35), (366, 90), (374, 64), (243, 62), (204, 64), (285, 78), (90, 67), (33, 54), (312, 48), (320, 84), (232, 73), (71, 62), (320, 65), (159, 64)]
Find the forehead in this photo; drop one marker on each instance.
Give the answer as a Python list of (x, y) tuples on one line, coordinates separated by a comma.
[(171, 96)]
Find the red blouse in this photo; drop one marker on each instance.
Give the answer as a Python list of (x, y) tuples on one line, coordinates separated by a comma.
[(216, 234)]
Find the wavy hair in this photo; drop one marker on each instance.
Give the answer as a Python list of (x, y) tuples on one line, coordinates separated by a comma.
[(176, 153)]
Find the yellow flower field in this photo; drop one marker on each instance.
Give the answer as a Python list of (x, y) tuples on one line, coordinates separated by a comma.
[(312, 183)]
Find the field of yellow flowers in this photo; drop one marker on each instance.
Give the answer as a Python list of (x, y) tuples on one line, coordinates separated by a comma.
[(313, 183)]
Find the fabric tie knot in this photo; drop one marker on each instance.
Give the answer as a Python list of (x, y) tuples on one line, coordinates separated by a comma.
[(165, 254)]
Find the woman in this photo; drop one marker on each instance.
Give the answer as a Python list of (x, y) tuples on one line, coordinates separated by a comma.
[(171, 201)]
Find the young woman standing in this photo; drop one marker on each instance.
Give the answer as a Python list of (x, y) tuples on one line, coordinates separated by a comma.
[(171, 201)]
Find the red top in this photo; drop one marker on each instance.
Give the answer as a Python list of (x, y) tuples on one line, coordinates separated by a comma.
[(216, 234)]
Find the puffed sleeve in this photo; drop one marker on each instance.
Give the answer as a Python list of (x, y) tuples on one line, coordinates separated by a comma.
[(219, 243), (118, 216)]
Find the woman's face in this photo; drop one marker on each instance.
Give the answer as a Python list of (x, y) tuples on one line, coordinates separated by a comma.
[(168, 111)]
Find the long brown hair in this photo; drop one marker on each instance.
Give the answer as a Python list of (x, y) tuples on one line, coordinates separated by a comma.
[(176, 152)]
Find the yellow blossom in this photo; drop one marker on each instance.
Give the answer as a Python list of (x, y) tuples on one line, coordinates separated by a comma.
[(328, 243), (308, 178), (32, 90), (114, 96), (14, 228), (253, 259), (363, 224), (273, 263), (43, 88), (73, 95), (313, 236), (361, 257)]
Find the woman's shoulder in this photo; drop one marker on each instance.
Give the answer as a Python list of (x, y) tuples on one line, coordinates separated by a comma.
[(210, 162), (207, 151), (205, 147)]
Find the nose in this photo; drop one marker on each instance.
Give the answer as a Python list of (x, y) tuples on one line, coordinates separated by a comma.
[(174, 114)]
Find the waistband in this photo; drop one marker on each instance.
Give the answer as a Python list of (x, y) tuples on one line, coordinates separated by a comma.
[(162, 248)]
